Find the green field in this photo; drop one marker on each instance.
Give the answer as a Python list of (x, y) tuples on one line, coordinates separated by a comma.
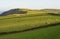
[(45, 33), (19, 23)]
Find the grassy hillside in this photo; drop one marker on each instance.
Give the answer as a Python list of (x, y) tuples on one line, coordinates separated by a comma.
[(25, 22), (33, 25)]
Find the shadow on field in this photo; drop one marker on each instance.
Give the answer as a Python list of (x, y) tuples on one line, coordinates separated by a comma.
[(54, 14), (40, 27)]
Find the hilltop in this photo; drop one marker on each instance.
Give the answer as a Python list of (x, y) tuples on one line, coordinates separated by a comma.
[(13, 11)]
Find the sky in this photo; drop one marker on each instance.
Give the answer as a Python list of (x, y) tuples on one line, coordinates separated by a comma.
[(30, 4)]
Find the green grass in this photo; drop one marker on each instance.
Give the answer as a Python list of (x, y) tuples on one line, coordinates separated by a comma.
[(44, 33), (25, 22)]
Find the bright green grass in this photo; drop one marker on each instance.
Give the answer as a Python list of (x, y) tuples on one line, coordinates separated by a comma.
[(44, 33), (21, 23)]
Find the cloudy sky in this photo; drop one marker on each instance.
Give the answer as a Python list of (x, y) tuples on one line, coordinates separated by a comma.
[(32, 4)]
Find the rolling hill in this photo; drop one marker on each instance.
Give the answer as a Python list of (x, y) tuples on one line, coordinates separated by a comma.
[(36, 24)]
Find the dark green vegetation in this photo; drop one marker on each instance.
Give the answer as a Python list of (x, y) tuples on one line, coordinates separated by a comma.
[(13, 11), (33, 25)]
